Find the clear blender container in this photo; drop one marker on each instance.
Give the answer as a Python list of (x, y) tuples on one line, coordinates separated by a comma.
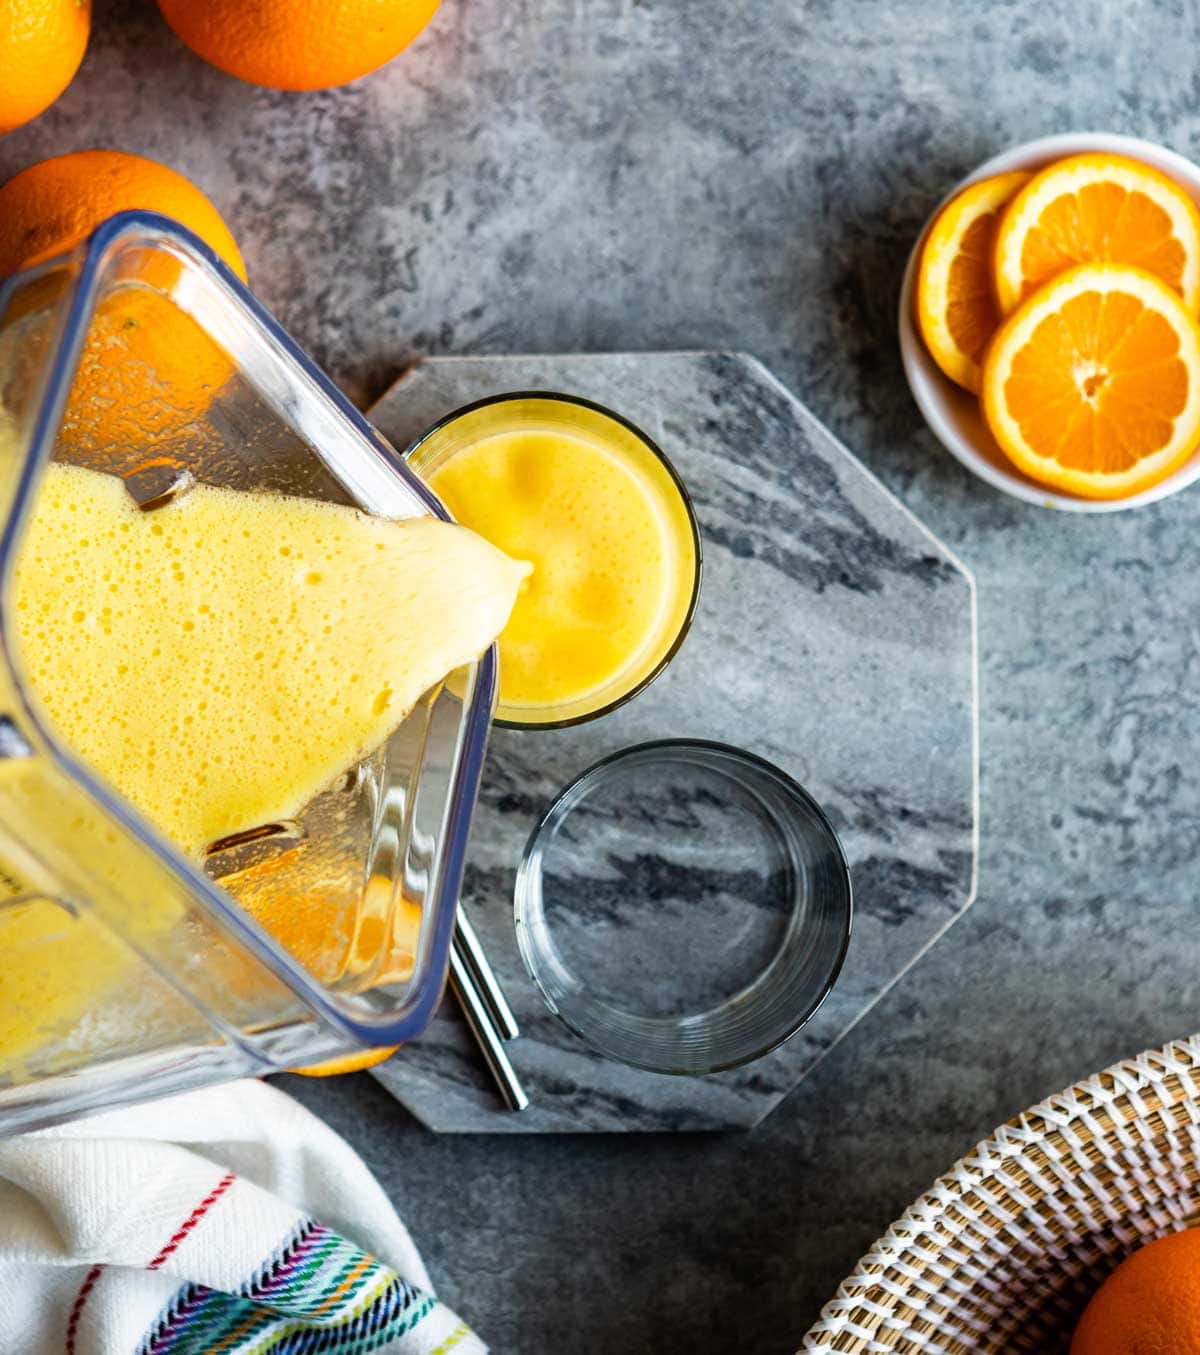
[(126, 970)]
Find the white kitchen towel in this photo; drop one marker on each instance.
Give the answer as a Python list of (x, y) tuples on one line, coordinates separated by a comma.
[(228, 1220)]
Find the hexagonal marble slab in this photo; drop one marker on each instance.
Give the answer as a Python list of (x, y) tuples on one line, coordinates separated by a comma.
[(835, 636)]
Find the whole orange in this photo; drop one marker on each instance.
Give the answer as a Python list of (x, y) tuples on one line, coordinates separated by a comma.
[(42, 43), (1149, 1305), (54, 204), (147, 370), (297, 44), (335, 937), (348, 1063)]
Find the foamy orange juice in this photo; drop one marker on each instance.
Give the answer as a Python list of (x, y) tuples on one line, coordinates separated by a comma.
[(220, 661), (602, 517)]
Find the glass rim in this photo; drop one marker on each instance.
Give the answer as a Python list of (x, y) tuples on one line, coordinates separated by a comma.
[(792, 787), (594, 406)]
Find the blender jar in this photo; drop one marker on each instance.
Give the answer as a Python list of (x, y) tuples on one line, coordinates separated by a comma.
[(126, 970)]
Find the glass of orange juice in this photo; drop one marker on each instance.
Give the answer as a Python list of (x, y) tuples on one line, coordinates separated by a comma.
[(601, 514)]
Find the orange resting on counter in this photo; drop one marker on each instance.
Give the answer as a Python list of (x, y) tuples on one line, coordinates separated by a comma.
[(367, 945), (1149, 1305), (1093, 385), (398, 964), (42, 43), (347, 1063), (297, 44), (332, 946), (54, 204), (147, 370), (955, 305)]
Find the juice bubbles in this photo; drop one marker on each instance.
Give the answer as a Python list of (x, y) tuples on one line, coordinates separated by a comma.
[(222, 659), (604, 521), (219, 661)]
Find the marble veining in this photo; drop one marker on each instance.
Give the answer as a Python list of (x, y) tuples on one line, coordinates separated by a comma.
[(834, 636)]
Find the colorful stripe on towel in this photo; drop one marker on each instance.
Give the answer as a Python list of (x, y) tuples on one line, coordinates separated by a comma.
[(318, 1292)]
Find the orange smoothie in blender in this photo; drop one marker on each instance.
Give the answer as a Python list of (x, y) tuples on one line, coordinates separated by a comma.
[(220, 660), (601, 516)]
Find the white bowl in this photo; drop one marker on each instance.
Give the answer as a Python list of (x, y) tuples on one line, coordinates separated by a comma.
[(952, 413)]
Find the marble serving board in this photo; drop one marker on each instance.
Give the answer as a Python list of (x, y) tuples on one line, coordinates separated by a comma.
[(835, 636)]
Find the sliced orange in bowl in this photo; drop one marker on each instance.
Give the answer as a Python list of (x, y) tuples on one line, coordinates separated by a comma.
[(1093, 385), (1097, 208), (955, 307)]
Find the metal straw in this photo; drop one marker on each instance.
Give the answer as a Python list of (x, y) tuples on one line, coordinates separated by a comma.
[(485, 978), (483, 1028)]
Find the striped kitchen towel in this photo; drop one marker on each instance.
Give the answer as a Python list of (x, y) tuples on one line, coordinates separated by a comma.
[(228, 1221)]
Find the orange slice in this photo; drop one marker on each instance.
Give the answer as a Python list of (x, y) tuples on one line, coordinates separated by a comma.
[(1093, 385), (956, 310), (1095, 208)]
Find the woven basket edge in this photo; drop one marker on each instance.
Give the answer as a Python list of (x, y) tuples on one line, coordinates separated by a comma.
[(1151, 1067)]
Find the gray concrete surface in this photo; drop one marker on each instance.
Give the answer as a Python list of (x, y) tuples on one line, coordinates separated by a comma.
[(569, 175)]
